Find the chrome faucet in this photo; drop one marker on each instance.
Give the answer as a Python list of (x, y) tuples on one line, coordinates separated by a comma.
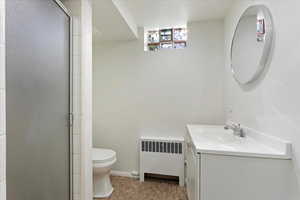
[(237, 130)]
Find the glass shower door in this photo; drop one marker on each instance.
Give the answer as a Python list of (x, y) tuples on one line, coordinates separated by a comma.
[(37, 100)]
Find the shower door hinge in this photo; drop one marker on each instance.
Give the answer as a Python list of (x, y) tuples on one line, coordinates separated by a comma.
[(71, 119)]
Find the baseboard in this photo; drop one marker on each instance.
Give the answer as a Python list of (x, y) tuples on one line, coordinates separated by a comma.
[(122, 173)]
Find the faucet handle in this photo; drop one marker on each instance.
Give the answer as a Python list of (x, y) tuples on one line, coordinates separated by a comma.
[(233, 126), (237, 129), (237, 125)]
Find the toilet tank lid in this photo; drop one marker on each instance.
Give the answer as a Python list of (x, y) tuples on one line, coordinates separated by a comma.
[(103, 155)]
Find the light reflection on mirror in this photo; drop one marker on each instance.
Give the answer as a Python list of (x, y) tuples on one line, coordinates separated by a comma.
[(251, 44)]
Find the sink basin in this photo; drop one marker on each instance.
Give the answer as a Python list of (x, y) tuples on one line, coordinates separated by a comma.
[(214, 135), (217, 140)]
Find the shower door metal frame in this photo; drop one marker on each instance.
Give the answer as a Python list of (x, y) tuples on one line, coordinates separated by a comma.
[(71, 118)]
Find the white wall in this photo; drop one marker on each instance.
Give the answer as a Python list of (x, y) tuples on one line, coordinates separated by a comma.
[(76, 107), (2, 103), (272, 105), (156, 93), (81, 11), (86, 99)]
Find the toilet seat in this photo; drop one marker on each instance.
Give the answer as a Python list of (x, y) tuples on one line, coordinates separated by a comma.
[(103, 156)]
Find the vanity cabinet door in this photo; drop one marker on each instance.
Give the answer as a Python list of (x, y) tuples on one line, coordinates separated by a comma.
[(192, 173)]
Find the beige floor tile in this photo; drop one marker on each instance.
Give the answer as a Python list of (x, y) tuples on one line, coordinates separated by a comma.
[(131, 189)]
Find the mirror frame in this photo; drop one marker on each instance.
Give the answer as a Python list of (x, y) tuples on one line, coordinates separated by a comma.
[(267, 47)]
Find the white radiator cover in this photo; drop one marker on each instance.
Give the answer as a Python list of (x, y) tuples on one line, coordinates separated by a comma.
[(164, 156)]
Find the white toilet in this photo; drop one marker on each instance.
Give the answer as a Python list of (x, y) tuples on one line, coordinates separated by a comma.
[(103, 159)]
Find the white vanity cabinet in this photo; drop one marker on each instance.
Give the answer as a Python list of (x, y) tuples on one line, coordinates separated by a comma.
[(217, 171), (192, 171)]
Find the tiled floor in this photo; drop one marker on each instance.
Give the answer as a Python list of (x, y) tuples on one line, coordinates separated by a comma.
[(132, 189)]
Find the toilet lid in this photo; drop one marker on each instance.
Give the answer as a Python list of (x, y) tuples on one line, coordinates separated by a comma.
[(103, 155)]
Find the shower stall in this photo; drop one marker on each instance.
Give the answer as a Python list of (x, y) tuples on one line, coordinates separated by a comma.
[(38, 100)]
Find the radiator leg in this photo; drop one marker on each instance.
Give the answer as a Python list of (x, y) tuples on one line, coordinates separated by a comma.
[(142, 176), (181, 181)]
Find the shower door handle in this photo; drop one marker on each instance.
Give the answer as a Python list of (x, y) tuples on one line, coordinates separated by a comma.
[(71, 119)]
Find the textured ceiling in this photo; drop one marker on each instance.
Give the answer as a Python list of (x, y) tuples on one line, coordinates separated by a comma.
[(156, 13), (113, 19)]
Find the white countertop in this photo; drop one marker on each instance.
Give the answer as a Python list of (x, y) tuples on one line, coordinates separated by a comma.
[(217, 140)]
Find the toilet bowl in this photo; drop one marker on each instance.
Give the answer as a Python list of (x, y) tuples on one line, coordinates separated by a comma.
[(103, 159)]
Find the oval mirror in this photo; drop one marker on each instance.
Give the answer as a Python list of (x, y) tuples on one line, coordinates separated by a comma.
[(251, 44)]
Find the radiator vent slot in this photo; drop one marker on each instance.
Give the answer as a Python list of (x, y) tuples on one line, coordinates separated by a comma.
[(162, 147)]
